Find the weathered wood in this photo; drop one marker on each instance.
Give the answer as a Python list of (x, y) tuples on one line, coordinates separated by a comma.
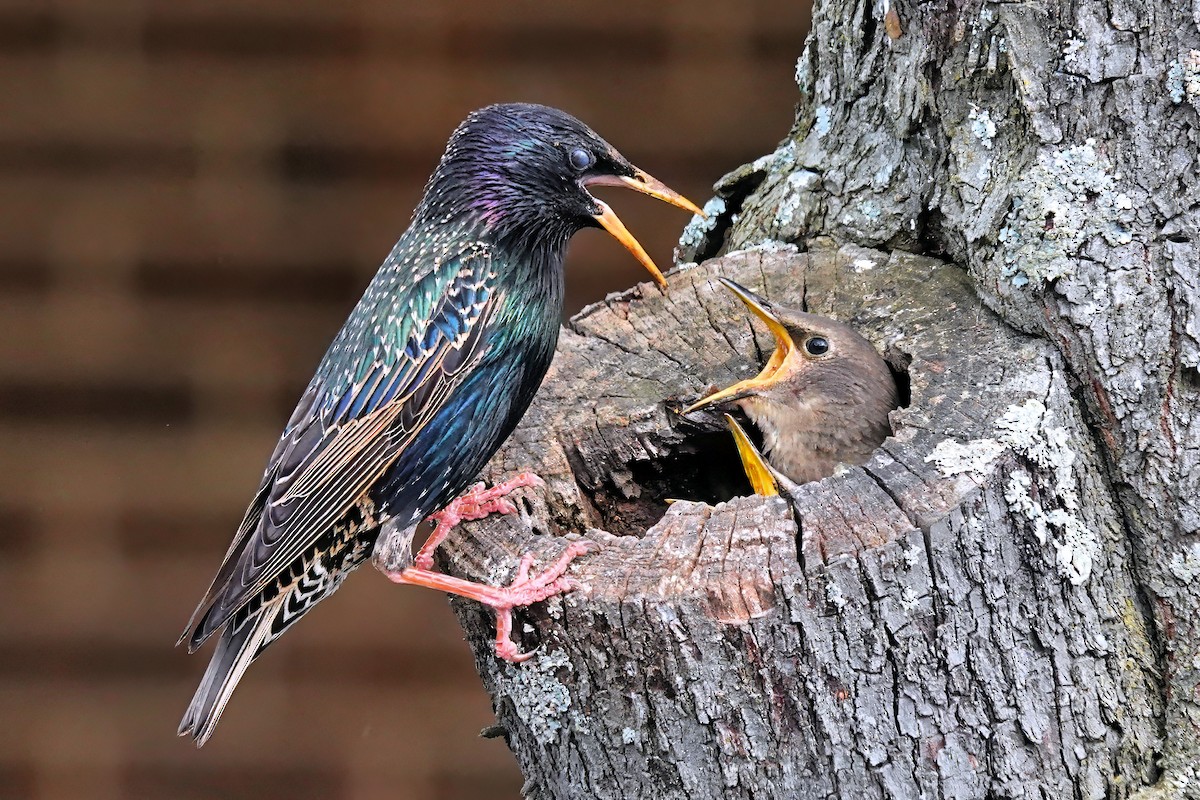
[(1003, 602), (1051, 148), (959, 617)]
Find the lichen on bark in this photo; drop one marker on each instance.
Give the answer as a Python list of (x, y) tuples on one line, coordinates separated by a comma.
[(862, 636), (935, 623)]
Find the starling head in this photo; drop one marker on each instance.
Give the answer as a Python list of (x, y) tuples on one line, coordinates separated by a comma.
[(823, 397), (524, 170)]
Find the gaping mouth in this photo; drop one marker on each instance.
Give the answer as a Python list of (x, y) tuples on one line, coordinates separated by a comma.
[(759, 474), (777, 365), (648, 185)]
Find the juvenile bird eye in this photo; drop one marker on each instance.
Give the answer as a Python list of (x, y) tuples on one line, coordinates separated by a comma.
[(816, 345), (581, 159)]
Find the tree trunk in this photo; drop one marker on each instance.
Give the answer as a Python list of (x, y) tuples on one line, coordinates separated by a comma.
[(1004, 601)]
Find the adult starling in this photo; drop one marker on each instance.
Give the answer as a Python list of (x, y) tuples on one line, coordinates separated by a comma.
[(428, 376), (822, 399)]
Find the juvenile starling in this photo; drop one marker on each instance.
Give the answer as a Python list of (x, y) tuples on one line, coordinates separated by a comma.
[(822, 399), (426, 379)]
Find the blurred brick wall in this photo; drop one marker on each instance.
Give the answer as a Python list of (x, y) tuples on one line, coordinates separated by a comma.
[(192, 195)]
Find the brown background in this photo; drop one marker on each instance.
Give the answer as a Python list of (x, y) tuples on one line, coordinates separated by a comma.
[(192, 195)]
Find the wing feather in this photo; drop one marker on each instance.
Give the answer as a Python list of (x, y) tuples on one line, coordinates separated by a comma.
[(339, 443)]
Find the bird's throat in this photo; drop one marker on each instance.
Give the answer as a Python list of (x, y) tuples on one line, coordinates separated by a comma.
[(797, 439)]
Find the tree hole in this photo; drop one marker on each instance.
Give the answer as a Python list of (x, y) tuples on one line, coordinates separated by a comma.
[(704, 466), (898, 363), (701, 465)]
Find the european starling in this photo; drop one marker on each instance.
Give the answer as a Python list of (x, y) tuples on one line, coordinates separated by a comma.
[(822, 399), (426, 379)]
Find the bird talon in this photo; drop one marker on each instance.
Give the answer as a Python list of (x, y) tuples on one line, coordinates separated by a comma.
[(579, 547), (477, 502), (507, 650), (523, 568), (503, 506)]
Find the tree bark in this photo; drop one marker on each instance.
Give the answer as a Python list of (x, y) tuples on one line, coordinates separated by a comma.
[(1003, 601)]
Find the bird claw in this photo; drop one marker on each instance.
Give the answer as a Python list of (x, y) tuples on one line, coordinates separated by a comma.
[(477, 502), (571, 585), (501, 506), (507, 650), (526, 590)]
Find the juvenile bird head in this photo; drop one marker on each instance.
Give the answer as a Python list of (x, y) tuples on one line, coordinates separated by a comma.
[(823, 397), (523, 172)]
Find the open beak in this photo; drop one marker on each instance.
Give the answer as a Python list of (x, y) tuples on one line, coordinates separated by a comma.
[(777, 365), (761, 479), (646, 184)]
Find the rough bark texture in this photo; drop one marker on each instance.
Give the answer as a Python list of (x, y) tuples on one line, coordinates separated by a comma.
[(923, 625), (1003, 602)]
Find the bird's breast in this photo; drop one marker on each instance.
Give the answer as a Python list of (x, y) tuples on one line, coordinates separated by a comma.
[(806, 440)]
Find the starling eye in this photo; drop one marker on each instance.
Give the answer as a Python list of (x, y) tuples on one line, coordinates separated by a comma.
[(816, 345), (581, 159)]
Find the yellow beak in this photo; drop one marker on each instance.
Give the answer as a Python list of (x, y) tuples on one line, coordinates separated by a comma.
[(648, 185), (777, 365), (756, 468)]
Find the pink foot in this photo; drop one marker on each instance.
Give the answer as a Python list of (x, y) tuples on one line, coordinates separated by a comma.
[(477, 503), (523, 591)]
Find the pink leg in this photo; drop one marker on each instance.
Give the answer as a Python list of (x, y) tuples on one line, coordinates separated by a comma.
[(523, 591), (477, 503)]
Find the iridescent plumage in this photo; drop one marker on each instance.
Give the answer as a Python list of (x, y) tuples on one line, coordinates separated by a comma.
[(427, 377)]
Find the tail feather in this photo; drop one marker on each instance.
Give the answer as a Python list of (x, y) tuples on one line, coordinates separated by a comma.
[(235, 650), (242, 640)]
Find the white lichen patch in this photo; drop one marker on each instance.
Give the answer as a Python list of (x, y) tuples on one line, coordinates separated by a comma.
[(1186, 565), (798, 188), (1018, 495), (767, 246), (1070, 51), (698, 229), (1020, 424), (982, 126), (822, 120), (954, 458), (1069, 197), (762, 163), (540, 699), (1054, 512), (913, 555), (835, 595), (781, 159), (803, 75), (1183, 79), (862, 215)]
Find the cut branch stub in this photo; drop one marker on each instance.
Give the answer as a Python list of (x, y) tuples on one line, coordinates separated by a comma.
[(954, 618)]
